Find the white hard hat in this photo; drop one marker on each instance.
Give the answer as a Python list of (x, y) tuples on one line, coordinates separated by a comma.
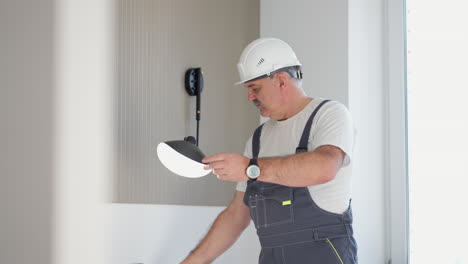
[(264, 56)]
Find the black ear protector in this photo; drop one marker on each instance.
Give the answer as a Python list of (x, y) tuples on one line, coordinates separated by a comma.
[(297, 75)]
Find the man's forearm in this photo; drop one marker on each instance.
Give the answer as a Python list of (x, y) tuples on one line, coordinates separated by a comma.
[(223, 233), (300, 170)]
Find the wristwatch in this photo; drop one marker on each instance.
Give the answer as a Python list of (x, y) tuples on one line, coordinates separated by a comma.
[(253, 171)]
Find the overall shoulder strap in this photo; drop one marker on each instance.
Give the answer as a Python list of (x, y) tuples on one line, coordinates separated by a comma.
[(303, 143), (256, 141)]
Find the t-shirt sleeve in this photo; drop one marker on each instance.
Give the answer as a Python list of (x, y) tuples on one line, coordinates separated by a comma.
[(242, 186), (334, 126)]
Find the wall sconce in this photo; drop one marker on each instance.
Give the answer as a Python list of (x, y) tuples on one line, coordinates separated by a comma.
[(183, 157)]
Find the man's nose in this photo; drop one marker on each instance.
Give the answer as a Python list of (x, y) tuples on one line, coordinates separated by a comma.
[(251, 96)]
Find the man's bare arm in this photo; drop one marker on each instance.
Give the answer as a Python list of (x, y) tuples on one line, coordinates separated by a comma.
[(304, 169), (227, 227), (298, 170)]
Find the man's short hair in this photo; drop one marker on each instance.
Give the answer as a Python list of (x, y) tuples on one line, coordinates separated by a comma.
[(294, 71)]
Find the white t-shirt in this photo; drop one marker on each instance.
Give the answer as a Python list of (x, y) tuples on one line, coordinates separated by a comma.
[(332, 125)]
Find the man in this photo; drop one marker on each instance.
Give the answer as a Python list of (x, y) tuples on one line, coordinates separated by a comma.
[(294, 179)]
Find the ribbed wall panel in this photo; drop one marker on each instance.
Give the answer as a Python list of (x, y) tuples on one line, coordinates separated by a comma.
[(157, 40)]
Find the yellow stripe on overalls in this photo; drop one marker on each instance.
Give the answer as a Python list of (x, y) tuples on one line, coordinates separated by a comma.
[(334, 249)]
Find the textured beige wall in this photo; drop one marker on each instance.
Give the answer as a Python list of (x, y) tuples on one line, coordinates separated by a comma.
[(156, 42)]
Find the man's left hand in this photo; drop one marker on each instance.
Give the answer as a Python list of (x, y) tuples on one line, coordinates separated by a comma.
[(228, 166)]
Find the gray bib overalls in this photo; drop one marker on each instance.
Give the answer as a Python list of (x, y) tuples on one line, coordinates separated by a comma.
[(292, 229)]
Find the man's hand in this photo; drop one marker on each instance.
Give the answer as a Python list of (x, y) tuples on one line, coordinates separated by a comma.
[(228, 166)]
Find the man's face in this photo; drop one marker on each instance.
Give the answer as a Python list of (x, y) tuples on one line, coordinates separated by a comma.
[(265, 95)]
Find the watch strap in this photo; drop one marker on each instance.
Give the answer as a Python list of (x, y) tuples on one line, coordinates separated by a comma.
[(253, 161)]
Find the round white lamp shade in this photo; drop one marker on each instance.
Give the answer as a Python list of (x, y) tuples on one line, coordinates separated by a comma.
[(182, 158)]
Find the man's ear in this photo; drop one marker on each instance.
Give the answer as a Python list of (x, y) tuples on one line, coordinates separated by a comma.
[(283, 79)]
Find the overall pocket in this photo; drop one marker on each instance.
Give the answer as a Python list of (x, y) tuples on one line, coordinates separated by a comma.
[(272, 206), (253, 203)]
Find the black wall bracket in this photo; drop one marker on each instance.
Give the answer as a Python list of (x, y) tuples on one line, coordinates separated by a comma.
[(193, 81), (194, 87)]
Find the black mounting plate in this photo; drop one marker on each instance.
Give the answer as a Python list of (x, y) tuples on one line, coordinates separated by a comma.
[(193, 81)]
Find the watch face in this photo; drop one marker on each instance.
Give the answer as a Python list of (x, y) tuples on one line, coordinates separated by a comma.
[(253, 171)]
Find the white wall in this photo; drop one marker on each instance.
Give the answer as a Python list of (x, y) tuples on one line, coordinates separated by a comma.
[(82, 127), (340, 44), (318, 33), (166, 234), (396, 131), (367, 104)]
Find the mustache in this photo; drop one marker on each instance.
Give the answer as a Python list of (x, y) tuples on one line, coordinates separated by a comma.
[(256, 102)]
